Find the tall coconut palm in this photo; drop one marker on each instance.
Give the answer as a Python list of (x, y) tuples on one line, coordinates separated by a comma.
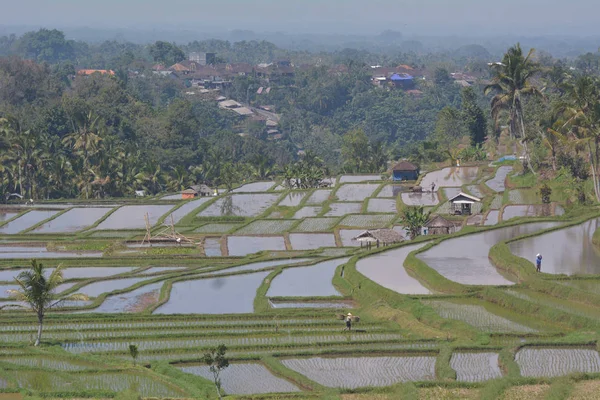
[(512, 84), (581, 110), (38, 292)]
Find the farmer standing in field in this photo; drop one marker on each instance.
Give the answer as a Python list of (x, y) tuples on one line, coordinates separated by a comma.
[(538, 263), (349, 322)]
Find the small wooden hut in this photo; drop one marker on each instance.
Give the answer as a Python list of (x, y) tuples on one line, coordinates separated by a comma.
[(462, 203), (378, 236), (405, 171), (439, 225), (195, 191)]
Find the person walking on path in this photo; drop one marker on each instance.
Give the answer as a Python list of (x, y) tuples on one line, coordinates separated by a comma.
[(349, 322), (432, 186), (538, 263)]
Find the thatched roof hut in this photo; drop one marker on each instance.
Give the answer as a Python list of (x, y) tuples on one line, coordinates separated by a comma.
[(439, 225), (383, 236)]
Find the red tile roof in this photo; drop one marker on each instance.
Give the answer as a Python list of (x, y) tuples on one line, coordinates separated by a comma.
[(92, 71)]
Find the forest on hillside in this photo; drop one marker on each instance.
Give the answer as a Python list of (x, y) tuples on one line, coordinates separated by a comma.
[(63, 135)]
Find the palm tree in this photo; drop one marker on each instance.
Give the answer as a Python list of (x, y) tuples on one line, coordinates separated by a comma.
[(512, 84), (414, 218), (38, 292), (581, 110)]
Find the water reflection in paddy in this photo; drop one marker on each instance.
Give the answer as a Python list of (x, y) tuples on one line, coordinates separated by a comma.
[(465, 259), (450, 177), (26, 221), (235, 295), (565, 251), (244, 245), (314, 280), (387, 270), (497, 182), (420, 199), (73, 220)]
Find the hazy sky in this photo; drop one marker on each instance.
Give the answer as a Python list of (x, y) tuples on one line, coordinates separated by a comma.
[(472, 17)]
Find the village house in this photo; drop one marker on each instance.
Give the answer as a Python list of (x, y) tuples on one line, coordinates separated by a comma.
[(405, 171), (439, 225), (195, 191), (462, 203), (202, 58), (378, 236)]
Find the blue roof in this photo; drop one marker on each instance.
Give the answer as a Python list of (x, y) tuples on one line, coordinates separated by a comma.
[(401, 77)]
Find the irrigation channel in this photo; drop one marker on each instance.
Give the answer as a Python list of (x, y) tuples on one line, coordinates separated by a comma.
[(268, 272)]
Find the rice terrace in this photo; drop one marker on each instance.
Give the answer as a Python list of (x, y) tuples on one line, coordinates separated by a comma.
[(269, 272)]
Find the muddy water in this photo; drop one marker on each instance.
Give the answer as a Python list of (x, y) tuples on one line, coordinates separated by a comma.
[(314, 280), (73, 220), (450, 177), (387, 270), (497, 182), (26, 221), (566, 251), (244, 245), (235, 295), (465, 259)]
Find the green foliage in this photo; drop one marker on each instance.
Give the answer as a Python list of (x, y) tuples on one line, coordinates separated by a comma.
[(545, 193), (166, 53), (413, 219), (133, 352), (129, 394), (473, 117), (217, 362)]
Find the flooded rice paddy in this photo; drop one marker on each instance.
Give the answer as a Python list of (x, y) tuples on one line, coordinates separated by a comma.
[(420, 199), (255, 187), (135, 301), (292, 199), (341, 209), (7, 252), (565, 251), (393, 190), (368, 221), (317, 224), (242, 205), (266, 227), (387, 270), (356, 191), (311, 304), (319, 196), (26, 221), (314, 280), (552, 362), (246, 378), (538, 210), (212, 247), (450, 177), (355, 372), (475, 367), (240, 246), (382, 205), (6, 215), (97, 288), (497, 183), (311, 241), (94, 272), (132, 217), (466, 259), (492, 218), (235, 295), (478, 317), (73, 220), (359, 178), (186, 209), (346, 236), (308, 211), (216, 228)]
